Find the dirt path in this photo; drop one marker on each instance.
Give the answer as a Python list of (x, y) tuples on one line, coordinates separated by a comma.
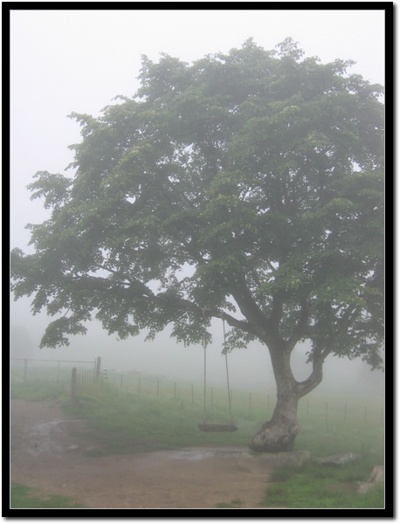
[(46, 454)]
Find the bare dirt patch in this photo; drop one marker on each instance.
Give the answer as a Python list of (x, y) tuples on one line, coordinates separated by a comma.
[(49, 452)]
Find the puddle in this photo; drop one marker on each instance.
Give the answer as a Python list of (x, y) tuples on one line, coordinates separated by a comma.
[(194, 455), (43, 438), (191, 456)]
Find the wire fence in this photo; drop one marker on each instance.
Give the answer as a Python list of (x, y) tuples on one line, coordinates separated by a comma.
[(83, 373), (250, 404), (46, 369), (76, 375)]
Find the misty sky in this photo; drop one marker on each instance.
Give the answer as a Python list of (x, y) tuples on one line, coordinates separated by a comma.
[(78, 61)]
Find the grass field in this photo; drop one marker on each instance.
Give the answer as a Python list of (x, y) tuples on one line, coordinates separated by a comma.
[(316, 486), (126, 415), (25, 497)]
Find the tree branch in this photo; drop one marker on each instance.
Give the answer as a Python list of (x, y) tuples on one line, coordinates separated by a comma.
[(102, 283), (298, 331), (260, 325), (315, 376), (232, 321), (320, 354)]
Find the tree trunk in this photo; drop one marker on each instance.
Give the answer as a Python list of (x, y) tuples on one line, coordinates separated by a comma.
[(280, 432)]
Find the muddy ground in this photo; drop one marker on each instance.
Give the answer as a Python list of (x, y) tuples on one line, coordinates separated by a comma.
[(50, 453)]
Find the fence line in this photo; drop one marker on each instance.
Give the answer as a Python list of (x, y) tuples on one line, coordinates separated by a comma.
[(79, 379), (59, 361), (253, 404), (327, 411), (54, 360)]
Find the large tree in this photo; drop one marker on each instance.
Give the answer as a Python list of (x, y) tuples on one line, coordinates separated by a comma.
[(246, 186)]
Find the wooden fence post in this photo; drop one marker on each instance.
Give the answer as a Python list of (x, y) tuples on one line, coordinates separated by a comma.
[(25, 368), (73, 385), (326, 415), (98, 368)]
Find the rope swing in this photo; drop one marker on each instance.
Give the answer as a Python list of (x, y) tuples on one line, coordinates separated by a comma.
[(217, 427)]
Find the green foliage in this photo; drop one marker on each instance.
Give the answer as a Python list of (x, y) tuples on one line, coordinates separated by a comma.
[(245, 185), (316, 486), (25, 497)]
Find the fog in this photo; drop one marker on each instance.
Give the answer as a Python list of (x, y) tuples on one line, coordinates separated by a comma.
[(249, 369), (65, 61)]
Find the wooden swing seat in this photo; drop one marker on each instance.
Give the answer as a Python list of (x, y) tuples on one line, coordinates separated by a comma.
[(217, 427)]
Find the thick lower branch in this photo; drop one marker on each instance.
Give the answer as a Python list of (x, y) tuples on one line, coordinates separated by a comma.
[(314, 379), (232, 321)]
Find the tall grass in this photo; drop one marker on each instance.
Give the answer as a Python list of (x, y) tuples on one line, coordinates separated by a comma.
[(124, 422), (162, 414)]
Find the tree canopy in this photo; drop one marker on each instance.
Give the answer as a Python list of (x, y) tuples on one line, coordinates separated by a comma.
[(246, 186)]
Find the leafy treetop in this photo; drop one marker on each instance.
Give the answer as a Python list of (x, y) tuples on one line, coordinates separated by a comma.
[(246, 185)]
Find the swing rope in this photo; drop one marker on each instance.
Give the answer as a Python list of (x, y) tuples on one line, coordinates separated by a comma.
[(216, 427), (225, 352), (205, 381), (205, 374)]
